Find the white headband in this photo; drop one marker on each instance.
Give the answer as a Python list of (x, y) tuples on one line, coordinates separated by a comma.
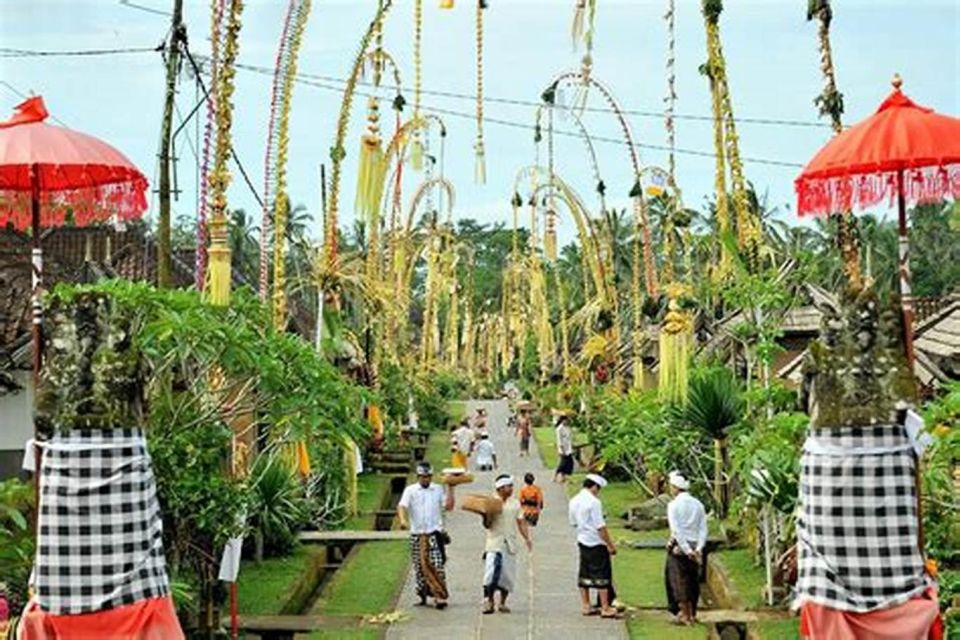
[(503, 482), (598, 480), (677, 480)]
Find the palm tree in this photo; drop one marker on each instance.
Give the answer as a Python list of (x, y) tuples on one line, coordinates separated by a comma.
[(714, 405), (244, 245)]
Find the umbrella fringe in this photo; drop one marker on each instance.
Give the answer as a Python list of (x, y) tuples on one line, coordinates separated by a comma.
[(81, 207), (823, 196)]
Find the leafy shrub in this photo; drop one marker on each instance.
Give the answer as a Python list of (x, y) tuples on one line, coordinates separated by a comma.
[(941, 504), (16, 539), (639, 437), (211, 370)]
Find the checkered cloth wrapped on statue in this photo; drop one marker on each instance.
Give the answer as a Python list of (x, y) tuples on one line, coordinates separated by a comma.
[(857, 529), (100, 540)]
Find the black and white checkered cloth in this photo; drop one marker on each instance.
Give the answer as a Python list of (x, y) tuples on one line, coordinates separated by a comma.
[(100, 538), (857, 528)]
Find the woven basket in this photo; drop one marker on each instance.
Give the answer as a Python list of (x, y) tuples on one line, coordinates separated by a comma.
[(482, 504), (457, 479)]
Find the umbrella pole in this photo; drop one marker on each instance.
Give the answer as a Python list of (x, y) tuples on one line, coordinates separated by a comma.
[(906, 297), (36, 263), (906, 302)]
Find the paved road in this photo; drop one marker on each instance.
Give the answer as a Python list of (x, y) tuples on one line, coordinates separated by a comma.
[(546, 604)]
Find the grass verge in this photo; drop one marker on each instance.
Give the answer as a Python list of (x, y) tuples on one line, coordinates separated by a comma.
[(643, 626), (372, 488), (368, 582), (778, 629), (438, 450), (263, 589), (747, 578)]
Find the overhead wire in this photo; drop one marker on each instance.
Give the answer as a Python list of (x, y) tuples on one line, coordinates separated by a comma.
[(519, 125), (144, 8), (520, 102), (7, 52)]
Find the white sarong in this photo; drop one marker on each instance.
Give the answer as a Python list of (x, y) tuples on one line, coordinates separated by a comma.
[(499, 572)]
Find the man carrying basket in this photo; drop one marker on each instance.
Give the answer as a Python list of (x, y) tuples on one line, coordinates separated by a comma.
[(421, 510)]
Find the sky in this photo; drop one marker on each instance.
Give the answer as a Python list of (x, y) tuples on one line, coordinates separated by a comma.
[(770, 49)]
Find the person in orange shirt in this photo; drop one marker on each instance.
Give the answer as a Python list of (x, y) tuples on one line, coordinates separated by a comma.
[(531, 500)]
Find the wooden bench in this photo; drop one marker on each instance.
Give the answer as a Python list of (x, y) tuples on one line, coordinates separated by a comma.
[(350, 537), (285, 627)]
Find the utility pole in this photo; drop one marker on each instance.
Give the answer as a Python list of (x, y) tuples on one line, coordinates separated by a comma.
[(178, 34)]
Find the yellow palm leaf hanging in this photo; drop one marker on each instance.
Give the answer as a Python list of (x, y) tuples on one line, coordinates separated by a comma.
[(676, 338)]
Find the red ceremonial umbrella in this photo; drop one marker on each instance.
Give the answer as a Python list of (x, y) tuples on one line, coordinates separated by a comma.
[(903, 151), (50, 176)]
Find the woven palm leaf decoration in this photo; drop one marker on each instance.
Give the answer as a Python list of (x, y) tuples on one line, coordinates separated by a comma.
[(830, 103), (217, 288), (480, 167)]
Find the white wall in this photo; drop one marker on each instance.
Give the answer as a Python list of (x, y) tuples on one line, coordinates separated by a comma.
[(16, 415)]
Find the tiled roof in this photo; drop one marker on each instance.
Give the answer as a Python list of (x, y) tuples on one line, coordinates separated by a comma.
[(70, 254)]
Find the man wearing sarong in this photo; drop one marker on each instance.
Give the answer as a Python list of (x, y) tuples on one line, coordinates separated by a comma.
[(523, 430), (688, 536), (500, 549), (564, 438), (421, 510), (596, 548)]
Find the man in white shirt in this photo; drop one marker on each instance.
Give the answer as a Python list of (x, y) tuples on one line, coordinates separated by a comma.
[(486, 454), (421, 510), (596, 547), (688, 536), (564, 437), (462, 440), (500, 548)]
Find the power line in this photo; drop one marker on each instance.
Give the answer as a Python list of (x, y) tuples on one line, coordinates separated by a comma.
[(144, 8), (518, 102), (6, 52), (633, 112), (528, 127), (233, 152), (24, 96)]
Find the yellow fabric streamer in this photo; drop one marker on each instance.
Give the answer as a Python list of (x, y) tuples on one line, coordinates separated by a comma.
[(303, 459)]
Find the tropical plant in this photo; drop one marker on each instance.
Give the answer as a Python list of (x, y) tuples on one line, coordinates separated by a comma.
[(277, 507), (16, 540), (637, 435), (940, 464), (216, 378), (714, 406)]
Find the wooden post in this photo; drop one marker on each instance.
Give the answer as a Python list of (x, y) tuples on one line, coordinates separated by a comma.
[(906, 295), (36, 260), (177, 32)]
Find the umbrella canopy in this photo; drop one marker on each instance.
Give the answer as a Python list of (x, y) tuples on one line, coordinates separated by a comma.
[(76, 178), (862, 166)]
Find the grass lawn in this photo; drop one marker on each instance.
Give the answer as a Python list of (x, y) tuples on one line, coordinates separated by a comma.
[(343, 634), (645, 627), (263, 589), (638, 576), (547, 445), (369, 581), (778, 629), (438, 450), (371, 489), (457, 410), (747, 578)]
